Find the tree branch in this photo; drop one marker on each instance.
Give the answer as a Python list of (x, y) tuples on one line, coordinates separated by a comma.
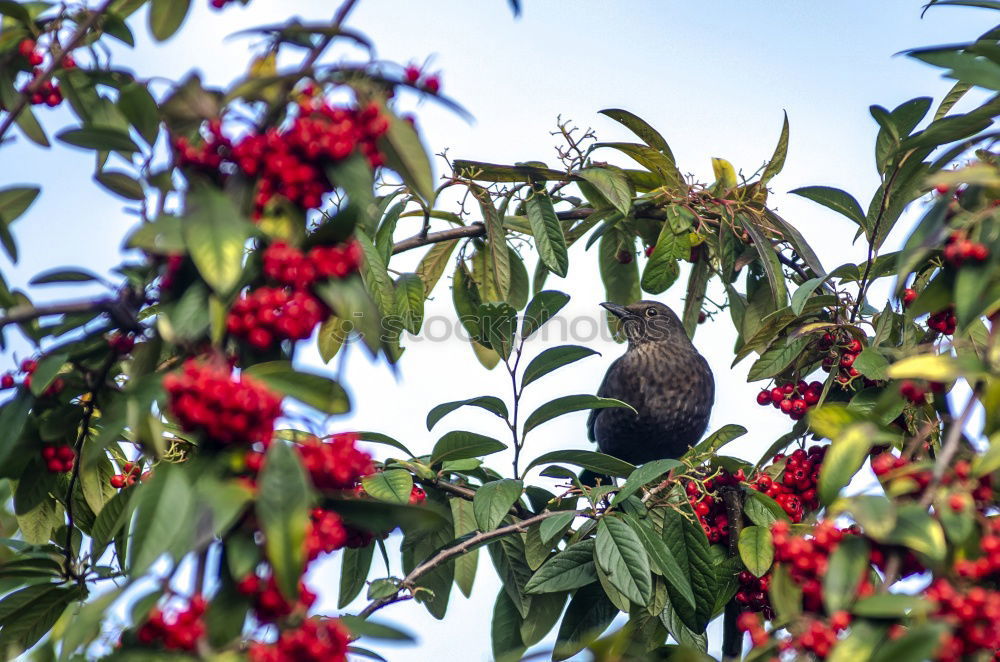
[(449, 553), (20, 314), (75, 39)]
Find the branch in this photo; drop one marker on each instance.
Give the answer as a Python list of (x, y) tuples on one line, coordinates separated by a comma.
[(449, 553), (75, 39), (20, 314)]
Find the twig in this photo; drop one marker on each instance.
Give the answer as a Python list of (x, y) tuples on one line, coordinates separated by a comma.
[(46, 74), (19, 314), (732, 637), (449, 553), (949, 448)]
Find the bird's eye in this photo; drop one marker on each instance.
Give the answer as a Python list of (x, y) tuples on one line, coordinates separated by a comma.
[(651, 312)]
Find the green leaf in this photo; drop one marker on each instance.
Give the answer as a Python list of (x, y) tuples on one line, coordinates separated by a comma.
[(663, 268), (392, 485), (589, 613), (317, 391), (497, 326), (541, 309), (875, 513), (892, 605), (507, 555), (848, 564), (465, 565), (918, 530), (871, 363), (839, 201), (662, 560), (164, 506), (641, 128), (505, 630), (379, 438), (548, 233), (375, 274), (762, 510), (769, 260), (847, 453), (354, 176), (488, 402), (688, 543), (571, 568), (919, 642), (775, 360), (36, 613), (612, 184), (493, 501), (354, 566), (597, 462), (715, 441), (621, 281), (756, 549), (553, 359), (46, 372), (433, 264), (283, 502), (121, 184), (405, 154), (777, 161), (215, 235), (410, 302), (555, 526), (166, 17), (458, 445), (544, 612), (330, 337), (801, 295), (785, 594), (568, 404), (111, 518), (862, 640), (14, 201), (662, 169), (140, 109), (643, 475), (100, 138), (363, 627)]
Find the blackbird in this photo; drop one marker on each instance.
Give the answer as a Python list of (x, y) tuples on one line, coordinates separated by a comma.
[(664, 378)]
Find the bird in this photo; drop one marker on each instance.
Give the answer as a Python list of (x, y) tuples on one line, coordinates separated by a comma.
[(663, 377)]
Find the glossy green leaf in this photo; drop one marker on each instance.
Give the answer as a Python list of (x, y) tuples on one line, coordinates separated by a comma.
[(121, 183), (848, 564), (405, 154), (543, 307), (846, 455), (490, 403), (597, 462), (554, 358), (892, 605), (493, 502), (756, 549), (465, 523), (215, 235), (459, 444), (643, 475), (918, 530), (620, 553), (568, 404), (163, 516), (283, 503), (612, 184), (548, 233), (166, 17), (689, 546), (409, 291), (434, 263), (100, 138), (777, 160), (391, 485), (777, 358), (317, 391), (662, 559), (839, 201), (505, 630), (571, 568), (589, 613)]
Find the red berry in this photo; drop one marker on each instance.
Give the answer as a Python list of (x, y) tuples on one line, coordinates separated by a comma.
[(909, 296), (411, 74), (7, 381), (26, 47), (763, 398), (432, 84), (117, 481)]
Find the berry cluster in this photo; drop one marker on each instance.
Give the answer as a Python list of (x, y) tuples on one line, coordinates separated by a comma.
[(414, 76), (292, 162), (315, 639), (807, 558), (131, 472), (974, 617), (913, 392), (708, 504), (959, 250), (326, 533), (175, 630), (989, 563), (58, 459), (841, 352), (793, 399), (269, 604), (335, 463), (171, 270), (943, 321), (795, 489), (207, 398), (891, 468), (27, 368), (270, 314), (47, 92), (752, 595)]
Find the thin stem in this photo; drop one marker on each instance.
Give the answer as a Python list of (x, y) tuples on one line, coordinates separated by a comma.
[(20, 314), (517, 401), (56, 62), (449, 553)]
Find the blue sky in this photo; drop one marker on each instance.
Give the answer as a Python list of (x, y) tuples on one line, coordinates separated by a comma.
[(713, 77)]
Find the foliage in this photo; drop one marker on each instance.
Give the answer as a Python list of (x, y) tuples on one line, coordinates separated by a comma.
[(147, 430)]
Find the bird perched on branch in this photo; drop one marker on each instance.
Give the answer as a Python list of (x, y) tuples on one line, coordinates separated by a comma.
[(664, 378)]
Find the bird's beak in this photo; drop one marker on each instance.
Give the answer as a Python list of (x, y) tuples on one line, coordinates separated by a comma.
[(621, 312)]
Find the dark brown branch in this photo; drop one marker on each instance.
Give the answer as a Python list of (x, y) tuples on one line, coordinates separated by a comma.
[(75, 39), (20, 314), (449, 553)]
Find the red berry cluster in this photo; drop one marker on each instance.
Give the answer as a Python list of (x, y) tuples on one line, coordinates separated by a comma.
[(807, 558), (415, 76), (48, 92), (121, 343), (795, 489), (270, 314), (709, 506), (888, 467), (417, 494), (326, 533), (989, 563), (27, 368), (131, 472), (943, 321), (207, 398), (171, 270), (913, 392), (959, 250), (289, 266), (315, 639), (58, 459), (177, 630), (752, 595), (841, 354), (291, 162), (269, 604), (335, 463), (793, 399), (974, 617)]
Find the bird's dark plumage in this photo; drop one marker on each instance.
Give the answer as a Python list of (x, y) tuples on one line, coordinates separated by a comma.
[(664, 378)]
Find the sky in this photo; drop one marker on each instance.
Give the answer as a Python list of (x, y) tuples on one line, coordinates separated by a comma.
[(714, 78)]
